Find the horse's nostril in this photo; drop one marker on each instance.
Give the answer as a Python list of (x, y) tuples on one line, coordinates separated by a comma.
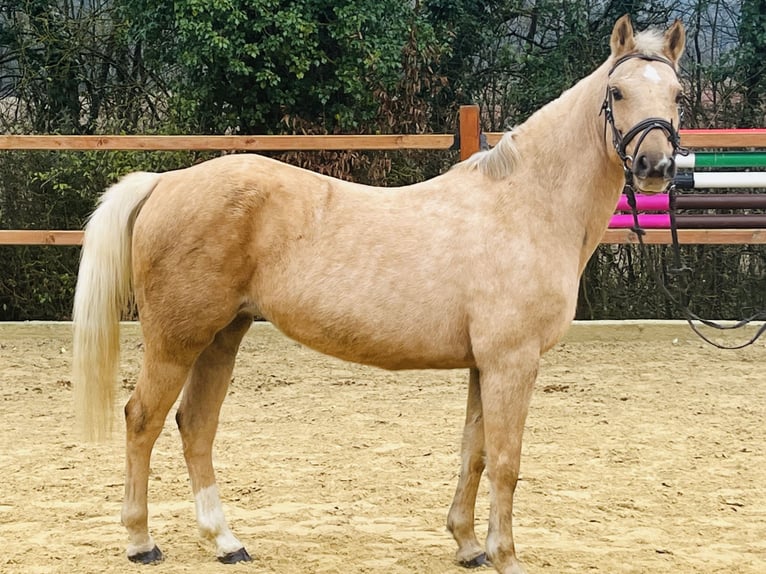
[(642, 166), (647, 166), (670, 168)]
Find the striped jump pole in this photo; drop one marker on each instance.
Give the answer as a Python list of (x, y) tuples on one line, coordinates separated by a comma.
[(722, 159), (707, 180)]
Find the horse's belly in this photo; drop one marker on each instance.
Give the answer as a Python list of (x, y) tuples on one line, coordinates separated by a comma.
[(391, 344)]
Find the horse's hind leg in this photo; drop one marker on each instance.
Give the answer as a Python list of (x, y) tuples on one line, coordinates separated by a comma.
[(197, 420), (461, 517), (159, 383)]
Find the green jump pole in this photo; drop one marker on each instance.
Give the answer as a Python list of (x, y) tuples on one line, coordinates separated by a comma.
[(722, 159)]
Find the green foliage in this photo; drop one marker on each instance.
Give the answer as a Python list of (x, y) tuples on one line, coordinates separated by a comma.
[(249, 65)]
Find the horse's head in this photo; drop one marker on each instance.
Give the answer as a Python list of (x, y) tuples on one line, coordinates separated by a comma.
[(641, 102)]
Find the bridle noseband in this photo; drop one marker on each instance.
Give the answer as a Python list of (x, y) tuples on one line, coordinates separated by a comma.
[(642, 128)]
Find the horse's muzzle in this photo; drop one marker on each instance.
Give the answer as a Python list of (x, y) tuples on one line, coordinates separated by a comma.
[(653, 172)]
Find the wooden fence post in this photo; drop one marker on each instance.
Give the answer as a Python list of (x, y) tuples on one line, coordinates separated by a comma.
[(470, 131)]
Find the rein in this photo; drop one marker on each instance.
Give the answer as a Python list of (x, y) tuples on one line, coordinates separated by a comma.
[(620, 142)]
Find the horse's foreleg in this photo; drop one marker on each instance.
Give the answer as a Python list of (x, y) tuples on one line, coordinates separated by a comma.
[(158, 386), (506, 389), (197, 420), (461, 517)]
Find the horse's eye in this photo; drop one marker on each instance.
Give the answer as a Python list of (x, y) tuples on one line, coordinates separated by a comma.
[(616, 93), (679, 98)]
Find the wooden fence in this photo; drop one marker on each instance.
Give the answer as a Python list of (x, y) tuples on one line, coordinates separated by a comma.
[(468, 140)]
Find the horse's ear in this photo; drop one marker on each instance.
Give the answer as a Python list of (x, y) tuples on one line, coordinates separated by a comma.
[(622, 41), (675, 41)]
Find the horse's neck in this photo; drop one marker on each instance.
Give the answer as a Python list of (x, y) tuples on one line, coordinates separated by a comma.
[(563, 147)]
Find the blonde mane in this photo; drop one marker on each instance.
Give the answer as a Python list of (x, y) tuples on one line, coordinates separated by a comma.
[(496, 163)]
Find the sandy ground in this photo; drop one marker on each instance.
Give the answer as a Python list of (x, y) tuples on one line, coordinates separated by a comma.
[(645, 451)]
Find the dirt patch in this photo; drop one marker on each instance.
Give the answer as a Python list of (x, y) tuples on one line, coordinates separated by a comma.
[(645, 451)]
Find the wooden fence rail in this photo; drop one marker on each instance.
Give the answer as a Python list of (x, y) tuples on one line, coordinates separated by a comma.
[(468, 136), (238, 143)]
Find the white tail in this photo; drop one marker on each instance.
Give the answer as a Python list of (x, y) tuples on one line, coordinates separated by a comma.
[(104, 288)]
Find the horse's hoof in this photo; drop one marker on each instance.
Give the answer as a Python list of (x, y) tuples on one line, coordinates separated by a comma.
[(476, 561), (240, 555), (150, 557)]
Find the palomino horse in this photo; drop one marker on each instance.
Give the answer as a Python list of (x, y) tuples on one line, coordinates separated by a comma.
[(477, 268)]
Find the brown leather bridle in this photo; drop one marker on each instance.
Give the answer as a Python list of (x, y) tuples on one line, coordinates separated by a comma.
[(642, 128)]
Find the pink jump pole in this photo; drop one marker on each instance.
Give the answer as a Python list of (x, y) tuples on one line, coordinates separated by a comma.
[(658, 202), (645, 220)]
